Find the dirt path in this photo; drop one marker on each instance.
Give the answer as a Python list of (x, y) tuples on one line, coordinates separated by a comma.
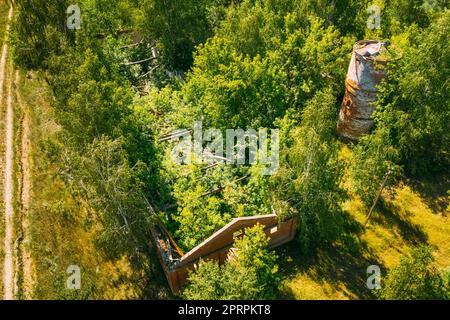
[(8, 272), (25, 165), (3, 58), (9, 212)]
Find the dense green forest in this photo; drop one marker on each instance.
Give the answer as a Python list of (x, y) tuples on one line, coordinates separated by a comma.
[(134, 71)]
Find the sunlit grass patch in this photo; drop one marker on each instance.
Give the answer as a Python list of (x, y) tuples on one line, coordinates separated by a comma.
[(402, 220)]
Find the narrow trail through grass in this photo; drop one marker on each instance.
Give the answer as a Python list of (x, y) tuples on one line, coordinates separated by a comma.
[(8, 270)]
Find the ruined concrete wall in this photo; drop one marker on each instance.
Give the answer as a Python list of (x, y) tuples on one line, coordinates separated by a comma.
[(220, 243)]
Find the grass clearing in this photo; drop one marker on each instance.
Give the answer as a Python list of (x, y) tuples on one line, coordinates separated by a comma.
[(403, 219)]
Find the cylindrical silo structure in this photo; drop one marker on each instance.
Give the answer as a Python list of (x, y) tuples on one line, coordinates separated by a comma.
[(366, 71)]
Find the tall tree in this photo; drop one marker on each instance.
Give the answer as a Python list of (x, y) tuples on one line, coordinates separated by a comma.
[(374, 165), (415, 278), (307, 185), (414, 103)]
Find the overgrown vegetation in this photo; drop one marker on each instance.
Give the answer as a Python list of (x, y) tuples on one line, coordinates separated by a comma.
[(250, 274), (415, 278), (137, 70)]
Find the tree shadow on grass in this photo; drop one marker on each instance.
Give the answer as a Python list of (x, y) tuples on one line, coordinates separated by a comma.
[(389, 215), (342, 265), (433, 190)]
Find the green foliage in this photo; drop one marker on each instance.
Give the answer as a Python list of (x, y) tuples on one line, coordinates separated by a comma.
[(446, 279), (104, 179), (230, 85), (97, 103), (39, 29), (403, 13), (178, 26), (414, 103), (200, 218), (252, 255), (101, 18), (415, 278), (94, 104), (251, 274), (207, 200), (307, 185), (374, 162), (231, 90), (249, 63)]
